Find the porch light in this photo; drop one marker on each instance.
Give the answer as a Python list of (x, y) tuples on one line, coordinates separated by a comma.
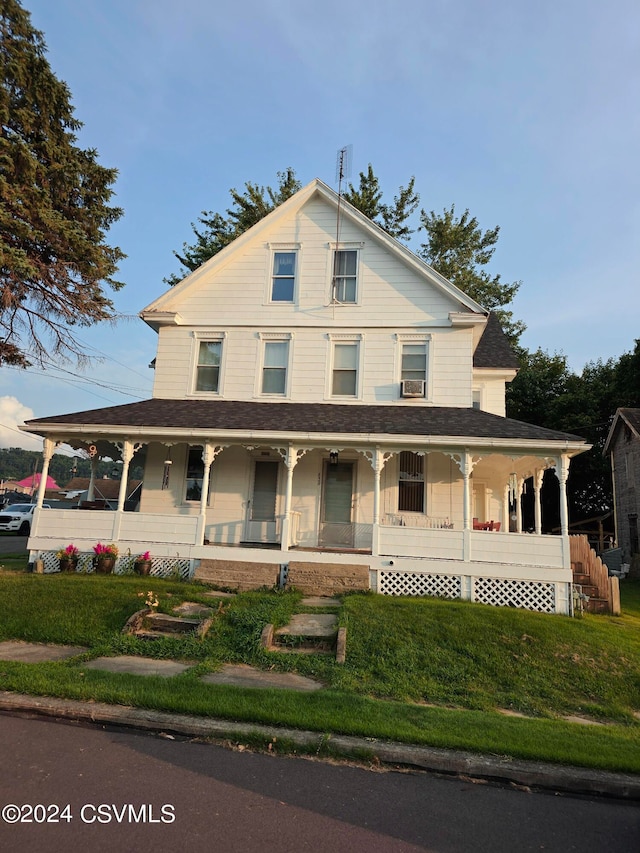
[(167, 468), (333, 457)]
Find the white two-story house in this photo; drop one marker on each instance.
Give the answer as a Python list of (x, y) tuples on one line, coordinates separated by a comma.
[(320, 390)]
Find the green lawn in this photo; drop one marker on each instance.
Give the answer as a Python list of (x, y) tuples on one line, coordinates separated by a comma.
[(417, 670)]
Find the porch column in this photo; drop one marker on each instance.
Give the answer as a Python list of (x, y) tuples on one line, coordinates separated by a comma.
[(505, 509), (378, 465), (127, 456), (466, 493), (208, 455), (91, 491), (467, 468), (290, 461), (537, 486), (562, 476), (47, 452)]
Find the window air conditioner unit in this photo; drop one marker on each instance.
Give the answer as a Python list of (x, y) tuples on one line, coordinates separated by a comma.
[(412, 388)]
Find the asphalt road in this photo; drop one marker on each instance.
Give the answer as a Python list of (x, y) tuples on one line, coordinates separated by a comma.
[(10, 544), (199, 797)]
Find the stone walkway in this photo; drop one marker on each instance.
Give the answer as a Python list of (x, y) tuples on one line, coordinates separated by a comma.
[(236, 675), (37, 652)]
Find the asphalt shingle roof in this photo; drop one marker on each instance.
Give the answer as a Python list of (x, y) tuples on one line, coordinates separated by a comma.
[(318, 418), (494, 349)]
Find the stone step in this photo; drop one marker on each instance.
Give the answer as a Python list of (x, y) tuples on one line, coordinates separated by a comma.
[(323, 625), (163, 624), (237, 574)]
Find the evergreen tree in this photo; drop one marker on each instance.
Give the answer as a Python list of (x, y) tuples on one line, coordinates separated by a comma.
[(392, 217), (54, 211), (216, 231), (458, 249)]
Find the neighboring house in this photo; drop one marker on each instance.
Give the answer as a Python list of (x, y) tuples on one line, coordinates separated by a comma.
[(623, 447), (335, 399), (29, 485)]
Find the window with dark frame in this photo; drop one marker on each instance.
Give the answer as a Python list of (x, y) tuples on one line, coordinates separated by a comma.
[(208, 368), (195, 474), (410, 482)]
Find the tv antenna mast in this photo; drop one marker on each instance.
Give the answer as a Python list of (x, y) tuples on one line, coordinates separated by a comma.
[(343, 171)]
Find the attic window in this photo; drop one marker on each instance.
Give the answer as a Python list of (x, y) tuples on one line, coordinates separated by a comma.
[(344, 285), (284, 276)]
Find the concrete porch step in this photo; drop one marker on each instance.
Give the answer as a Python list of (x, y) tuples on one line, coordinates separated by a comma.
[(238, 575), (327, 579)]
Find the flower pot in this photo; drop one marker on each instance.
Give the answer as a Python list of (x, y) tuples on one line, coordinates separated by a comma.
[(68, 565), (142, 567), (105, 565)]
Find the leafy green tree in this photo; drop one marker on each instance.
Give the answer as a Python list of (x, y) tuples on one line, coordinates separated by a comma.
[(627, 380), (458, 249), (54, 213), (367, 198), (215, 231)]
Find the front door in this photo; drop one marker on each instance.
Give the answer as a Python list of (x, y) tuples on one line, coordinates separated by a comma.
[(261, 520), (336, 527)]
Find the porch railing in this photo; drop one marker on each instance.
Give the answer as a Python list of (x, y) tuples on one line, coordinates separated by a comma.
[(427, 522)]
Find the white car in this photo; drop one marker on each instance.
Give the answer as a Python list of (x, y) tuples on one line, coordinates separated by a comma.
[(17, 518)]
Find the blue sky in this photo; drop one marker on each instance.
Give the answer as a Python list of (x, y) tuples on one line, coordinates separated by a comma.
[(525, 113)]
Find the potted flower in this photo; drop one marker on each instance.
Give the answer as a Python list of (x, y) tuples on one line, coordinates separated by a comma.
[(105, 558), (68, 558), (142, 563)]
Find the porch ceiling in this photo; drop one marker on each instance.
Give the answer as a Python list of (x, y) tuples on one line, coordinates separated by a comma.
[(314, 422)]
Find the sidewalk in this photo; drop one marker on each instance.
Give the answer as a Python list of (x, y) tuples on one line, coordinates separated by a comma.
[(528, 774)]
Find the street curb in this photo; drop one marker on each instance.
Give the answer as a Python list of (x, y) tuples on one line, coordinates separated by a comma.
[(529, 774)]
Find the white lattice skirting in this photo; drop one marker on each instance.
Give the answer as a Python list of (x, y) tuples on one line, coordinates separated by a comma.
[(161, 567), (501, 592)]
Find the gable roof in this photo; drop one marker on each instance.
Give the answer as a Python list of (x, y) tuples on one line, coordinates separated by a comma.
[(263, 420), (167, 303), (494, 349), (629, 417)]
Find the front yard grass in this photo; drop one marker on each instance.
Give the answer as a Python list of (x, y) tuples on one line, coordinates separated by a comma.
[(417, 670)]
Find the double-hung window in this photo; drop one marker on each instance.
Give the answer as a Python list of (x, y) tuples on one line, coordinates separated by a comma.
[(284, 277), (345, 276), (274, 370), (414, 361), (411, 482), (208, 366), (344, 380)]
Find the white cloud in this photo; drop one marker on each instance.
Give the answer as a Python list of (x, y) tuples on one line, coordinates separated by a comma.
[(12, 413)]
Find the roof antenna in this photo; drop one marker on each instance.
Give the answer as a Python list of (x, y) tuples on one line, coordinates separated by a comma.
[(343, 171)]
